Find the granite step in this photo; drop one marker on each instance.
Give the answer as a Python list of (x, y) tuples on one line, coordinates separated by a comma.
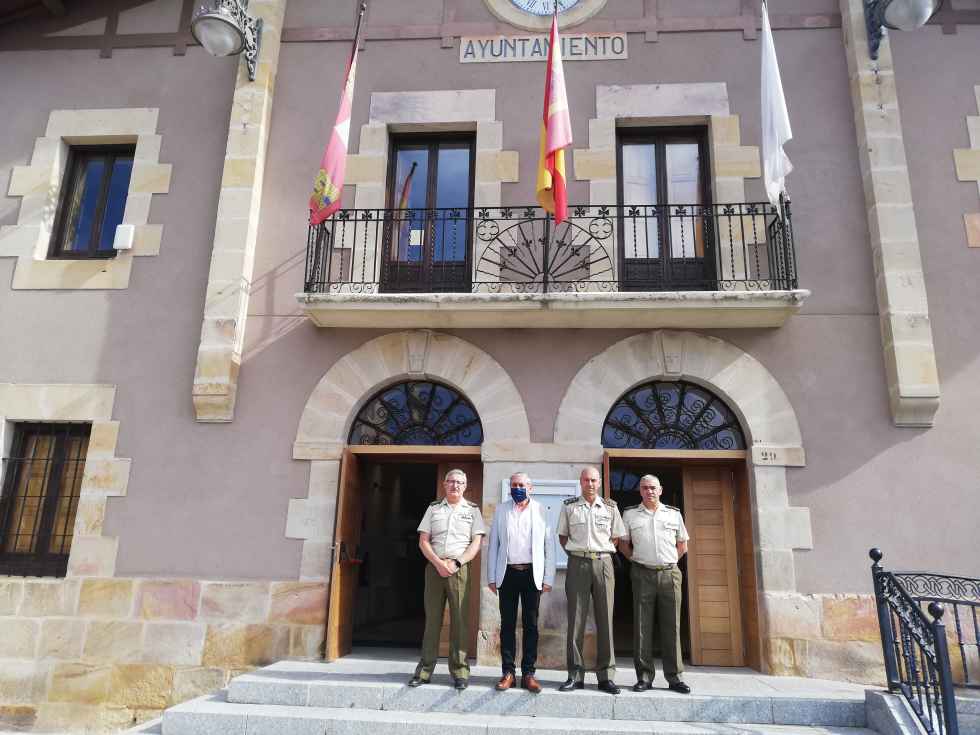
[(213, 715), (968, 711), (310, 687)]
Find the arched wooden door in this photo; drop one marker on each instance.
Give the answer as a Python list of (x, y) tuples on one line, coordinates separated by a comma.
[(690, 428), (344, 571), (420, 419)]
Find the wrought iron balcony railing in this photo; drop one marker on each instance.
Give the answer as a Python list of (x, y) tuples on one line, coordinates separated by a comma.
[(720, 247)]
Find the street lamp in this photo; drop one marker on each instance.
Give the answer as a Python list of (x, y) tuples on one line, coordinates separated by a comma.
[(224, 28), (902, 15)]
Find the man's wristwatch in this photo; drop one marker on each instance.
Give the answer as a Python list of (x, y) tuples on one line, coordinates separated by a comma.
[(458, 563)]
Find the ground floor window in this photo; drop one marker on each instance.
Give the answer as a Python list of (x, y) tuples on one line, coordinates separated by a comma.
[(42, 478)]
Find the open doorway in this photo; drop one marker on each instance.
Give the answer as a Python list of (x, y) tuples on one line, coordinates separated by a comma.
[(389, 609), (624, 488), (377, 574)]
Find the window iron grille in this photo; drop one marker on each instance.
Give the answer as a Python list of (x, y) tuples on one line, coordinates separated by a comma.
[(42, 480), (420, 413), (671, 415)]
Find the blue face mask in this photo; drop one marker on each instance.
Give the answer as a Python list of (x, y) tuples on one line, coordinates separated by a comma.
[(519, 494)]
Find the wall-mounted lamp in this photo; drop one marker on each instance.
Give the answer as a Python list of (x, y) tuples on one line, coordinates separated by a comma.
[(902, 15), (224, 28)]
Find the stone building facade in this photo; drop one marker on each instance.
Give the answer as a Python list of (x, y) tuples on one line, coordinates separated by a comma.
[(218, 361)]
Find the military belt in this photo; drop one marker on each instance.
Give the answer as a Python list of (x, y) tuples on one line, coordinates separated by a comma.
[(658, 567), (589, 554)]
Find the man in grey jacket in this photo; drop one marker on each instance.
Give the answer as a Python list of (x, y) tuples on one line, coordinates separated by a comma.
[(520, 566)]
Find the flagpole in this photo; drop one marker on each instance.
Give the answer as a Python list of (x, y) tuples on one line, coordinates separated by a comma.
[(357, 30), (547, 214)]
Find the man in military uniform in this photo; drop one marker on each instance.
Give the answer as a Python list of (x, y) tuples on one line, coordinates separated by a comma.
[(655, 540), (589, 528), (449, 537)]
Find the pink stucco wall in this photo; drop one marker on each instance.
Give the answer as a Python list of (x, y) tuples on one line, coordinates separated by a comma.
[(210, 500)]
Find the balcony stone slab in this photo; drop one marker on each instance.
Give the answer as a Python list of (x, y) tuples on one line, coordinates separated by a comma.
[(560, 310)]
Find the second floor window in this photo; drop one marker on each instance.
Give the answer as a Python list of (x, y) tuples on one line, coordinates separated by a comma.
[(42, 479), (431, 192), (92, 202), (663, 180)]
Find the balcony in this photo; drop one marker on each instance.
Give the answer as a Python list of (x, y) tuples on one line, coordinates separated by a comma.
[(700, 266)]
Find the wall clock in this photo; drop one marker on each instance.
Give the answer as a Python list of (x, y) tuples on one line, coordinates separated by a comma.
[(535, 15)]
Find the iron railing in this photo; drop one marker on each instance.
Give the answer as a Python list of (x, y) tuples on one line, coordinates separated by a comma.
[(962, 596), (719, 247), (917, 663)]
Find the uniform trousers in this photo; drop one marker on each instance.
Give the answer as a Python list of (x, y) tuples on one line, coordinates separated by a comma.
[(660, 592), (590, 581), (518, 585), (455, 590)]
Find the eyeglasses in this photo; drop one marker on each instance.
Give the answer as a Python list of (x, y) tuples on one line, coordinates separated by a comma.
[(455, 482), (514, 487)]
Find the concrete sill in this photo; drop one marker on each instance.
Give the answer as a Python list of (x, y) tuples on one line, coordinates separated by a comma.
[(653, 309)]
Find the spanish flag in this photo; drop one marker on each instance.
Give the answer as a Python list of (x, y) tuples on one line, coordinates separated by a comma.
[(556, 133)]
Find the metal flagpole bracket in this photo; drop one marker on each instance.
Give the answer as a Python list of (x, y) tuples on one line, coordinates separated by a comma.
[(874, 20), (253, 43)]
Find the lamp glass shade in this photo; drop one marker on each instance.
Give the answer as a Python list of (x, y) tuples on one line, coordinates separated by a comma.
[(218, 33), (907, 15)]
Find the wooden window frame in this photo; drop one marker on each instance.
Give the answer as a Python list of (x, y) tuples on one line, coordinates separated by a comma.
[(40, 563), (659, 137), (77, 156), (431, 142)]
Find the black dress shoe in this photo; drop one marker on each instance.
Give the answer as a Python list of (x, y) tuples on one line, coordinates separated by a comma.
[(461, 684), (570, 685), (642, 686), (417, 681), (609, 687), (680, 687)]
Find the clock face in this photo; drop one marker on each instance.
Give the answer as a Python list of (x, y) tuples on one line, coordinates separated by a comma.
[(544, 7), (535, 15)]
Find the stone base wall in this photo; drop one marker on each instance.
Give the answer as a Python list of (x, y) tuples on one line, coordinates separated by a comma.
[(816, 636), (823, 637), (107, 653)]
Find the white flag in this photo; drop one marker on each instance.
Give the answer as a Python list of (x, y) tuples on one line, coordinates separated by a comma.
[(775, 119)]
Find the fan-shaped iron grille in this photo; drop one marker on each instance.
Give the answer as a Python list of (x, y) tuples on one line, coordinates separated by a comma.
[(418, 412), (671, 415)]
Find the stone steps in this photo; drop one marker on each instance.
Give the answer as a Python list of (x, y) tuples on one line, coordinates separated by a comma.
[(278, 688), (213, 715), (968, 711), (368, 695)]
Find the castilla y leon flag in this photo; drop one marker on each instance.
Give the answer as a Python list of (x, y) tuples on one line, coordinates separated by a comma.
[(329, 183), (556, 133)]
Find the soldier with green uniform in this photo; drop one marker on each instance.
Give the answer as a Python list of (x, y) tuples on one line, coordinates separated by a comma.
[(655, 540), (449, 537), (589, 528)]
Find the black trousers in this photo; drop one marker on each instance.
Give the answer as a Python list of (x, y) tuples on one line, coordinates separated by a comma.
[(518, 585)]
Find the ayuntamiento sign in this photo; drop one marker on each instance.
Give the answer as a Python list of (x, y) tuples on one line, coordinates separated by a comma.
[(576, 47)]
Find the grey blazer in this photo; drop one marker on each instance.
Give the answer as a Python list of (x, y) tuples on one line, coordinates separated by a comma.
[(542, 545)]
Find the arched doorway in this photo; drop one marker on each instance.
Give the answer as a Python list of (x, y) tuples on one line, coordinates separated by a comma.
[(326, 426), (688, 437), (766, 566), (402, 442)]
